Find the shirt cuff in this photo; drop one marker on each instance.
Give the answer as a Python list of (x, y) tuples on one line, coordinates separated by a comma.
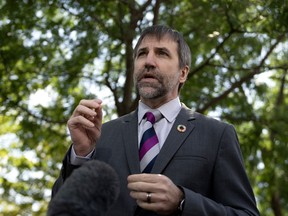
[(79, 160)]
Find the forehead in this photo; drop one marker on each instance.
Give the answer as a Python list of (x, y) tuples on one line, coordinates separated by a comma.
[(151, 41)]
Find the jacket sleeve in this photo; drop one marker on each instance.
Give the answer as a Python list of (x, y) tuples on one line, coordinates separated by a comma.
[(231, 190), (66, 170)]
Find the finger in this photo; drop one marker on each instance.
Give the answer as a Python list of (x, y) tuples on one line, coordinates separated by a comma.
[(140, 186), (149, 197), (145, 177), (92, 104), (139, 195), (95, 106), (84, 111), (157, 203), (99, 114), (89, 108), (80, 120), (149, 201), (144, 182)]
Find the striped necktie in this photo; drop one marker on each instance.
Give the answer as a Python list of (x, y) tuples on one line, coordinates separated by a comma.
[(149, 147)]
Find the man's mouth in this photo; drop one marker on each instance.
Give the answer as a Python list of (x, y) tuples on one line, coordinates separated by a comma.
[(148, 77)]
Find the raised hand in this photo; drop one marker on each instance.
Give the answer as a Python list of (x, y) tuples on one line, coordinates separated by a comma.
[(85, 126)]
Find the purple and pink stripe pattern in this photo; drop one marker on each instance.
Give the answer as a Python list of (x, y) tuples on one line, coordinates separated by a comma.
[(149, 148)]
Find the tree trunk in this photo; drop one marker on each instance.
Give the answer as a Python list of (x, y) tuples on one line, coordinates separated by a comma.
[(275, 203)]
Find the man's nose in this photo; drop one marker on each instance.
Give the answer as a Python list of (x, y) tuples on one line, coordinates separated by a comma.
[(150, 61)]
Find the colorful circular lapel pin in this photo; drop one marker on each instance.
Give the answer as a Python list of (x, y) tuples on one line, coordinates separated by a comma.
[(181, 128)]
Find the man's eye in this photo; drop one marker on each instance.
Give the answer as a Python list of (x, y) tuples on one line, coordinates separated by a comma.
[(141, 54), (162, 53)]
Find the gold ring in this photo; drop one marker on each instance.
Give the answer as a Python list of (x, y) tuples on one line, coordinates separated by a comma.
[(148, 197)]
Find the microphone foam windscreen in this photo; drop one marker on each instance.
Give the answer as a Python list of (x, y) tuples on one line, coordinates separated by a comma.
[(90, 190)]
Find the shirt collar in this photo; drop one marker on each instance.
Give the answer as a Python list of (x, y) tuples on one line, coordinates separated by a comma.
[(169, 110)]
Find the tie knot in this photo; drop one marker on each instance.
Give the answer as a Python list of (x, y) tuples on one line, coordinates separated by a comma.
[(153, 117)]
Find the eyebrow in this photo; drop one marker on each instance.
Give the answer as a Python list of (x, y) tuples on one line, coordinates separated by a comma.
[(142, 49), (163, 49), (157, 49)]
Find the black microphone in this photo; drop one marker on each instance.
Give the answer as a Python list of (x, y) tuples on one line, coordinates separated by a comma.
[(90, 190)]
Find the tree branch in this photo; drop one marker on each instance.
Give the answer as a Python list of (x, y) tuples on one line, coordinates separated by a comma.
[(156, 11), (41, 118), (257, 70), (206, 61)]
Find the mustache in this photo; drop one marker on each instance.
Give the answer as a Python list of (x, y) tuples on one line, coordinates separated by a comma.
[(145, 73)]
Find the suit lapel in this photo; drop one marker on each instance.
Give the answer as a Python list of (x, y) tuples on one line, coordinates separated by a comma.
[(130, 137), (175, 139)]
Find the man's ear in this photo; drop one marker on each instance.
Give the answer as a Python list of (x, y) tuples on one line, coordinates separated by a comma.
[(184, 74)]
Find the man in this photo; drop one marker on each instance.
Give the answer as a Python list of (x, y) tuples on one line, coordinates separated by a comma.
[(199, 169)]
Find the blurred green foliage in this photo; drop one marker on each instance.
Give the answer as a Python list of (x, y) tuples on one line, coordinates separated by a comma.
[(83, 49)]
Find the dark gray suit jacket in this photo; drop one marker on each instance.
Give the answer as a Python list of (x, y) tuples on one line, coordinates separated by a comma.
[(205, 160)]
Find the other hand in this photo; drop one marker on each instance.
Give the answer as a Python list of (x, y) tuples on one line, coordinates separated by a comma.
[(164, 195)]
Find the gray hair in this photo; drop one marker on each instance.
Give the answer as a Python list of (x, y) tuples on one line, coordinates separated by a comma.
[(159, 31)]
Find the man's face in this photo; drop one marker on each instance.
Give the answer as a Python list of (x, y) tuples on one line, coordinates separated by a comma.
[(156, 69)]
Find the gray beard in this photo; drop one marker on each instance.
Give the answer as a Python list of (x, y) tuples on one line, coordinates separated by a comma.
[(156, 92)]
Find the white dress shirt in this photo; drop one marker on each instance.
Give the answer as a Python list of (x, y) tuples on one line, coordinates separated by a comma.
[(162, 127)]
